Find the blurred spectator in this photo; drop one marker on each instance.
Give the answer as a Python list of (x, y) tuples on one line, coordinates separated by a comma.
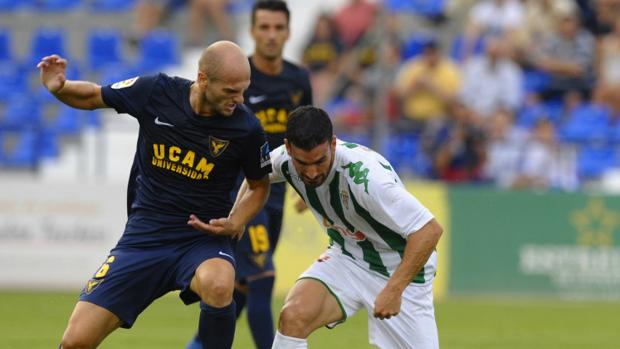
[(493, 17), (492, 81), (322, 57), (456, 146), (426, 86), (149, 14), (568, 57), (598, 16), (503, 149), (350, 113), (544, 162), (541, 19), (608, 67), (353, 20)]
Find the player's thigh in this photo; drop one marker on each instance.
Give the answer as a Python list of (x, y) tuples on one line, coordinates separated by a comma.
[(413, 327), (89, 324), (310, 305)]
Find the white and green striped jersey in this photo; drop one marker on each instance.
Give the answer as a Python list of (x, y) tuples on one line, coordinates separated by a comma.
[(363, 205)]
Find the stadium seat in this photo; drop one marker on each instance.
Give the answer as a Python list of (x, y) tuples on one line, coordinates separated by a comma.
[(49, 147), (401, 150), (47, 41), (457, 49), (116, 73), (23, 152), (6, 50), (158, 48), (535, 80), (592, 162), (68, 121), (529, 115), (57, 5), (588, 123), (22, 112), (13, 81), (112, 5), (415, 44), (13, 5), (104, 48)]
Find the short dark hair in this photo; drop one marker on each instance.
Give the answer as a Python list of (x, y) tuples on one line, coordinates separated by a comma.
[(271, 5), (308, 127)]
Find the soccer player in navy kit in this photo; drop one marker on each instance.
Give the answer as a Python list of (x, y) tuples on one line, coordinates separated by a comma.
[(276, 88), (194, 139)]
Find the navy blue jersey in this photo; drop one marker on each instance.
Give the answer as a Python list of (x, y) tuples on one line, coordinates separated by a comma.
[(184, 163), (272, 98)]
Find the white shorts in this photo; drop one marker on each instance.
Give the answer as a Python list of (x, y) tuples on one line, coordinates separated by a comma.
[(355, 288)]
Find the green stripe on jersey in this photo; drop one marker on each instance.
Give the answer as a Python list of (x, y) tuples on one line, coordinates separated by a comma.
[(335, 236), (370, 254), (287, 175), (391, 238), (313, 200)]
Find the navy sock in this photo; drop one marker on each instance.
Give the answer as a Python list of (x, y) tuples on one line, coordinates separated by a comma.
[(216, 327), (260, 318), (240, 299)]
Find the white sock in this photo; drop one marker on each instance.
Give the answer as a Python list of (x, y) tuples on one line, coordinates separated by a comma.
[(284, 342)]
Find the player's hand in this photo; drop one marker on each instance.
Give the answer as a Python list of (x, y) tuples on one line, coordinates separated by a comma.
[(53, 72), (219, 226), (387, 304), (300, 205)]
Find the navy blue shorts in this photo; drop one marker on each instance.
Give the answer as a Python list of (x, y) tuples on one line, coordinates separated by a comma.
[(254, 252), (131, 278)]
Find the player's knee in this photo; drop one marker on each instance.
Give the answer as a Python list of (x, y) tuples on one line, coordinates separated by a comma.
[(73, 341), (218, 292), (295, 320)]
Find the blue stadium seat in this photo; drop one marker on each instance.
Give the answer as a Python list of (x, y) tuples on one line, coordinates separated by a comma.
[(158, 48), (68, 121), (47, 41), (112, 5), (43, 96), (116, 73), (401, 150), (6, 49), (57, 5), (592, 161), (529, 115), (24, 152), (414, 45), (535, 80), (13, 5), (13, 81), (104, 48), (22, 112), (457, 50), (49, 145), (586, 124)]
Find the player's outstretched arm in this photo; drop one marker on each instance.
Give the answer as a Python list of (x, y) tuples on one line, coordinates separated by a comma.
[(250, 200), (77, 94), (420, 246)]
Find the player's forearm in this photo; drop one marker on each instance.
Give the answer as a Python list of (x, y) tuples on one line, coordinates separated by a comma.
[(251, 198), (81, 95), (420, 246)]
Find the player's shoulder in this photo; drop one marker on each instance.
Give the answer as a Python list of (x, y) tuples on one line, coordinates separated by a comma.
[(295, 70), (362, 164)]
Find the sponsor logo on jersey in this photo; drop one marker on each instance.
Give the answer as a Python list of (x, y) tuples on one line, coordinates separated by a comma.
[(357, 235), (125, 83), (257, 99), (217, 146), (181, 161), (161, 123), (265, 159), (358, 173)]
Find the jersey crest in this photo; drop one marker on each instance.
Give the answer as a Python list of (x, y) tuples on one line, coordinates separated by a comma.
[(217, 146)]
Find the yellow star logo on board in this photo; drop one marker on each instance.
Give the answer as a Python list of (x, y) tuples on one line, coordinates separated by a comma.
[(595, 224)]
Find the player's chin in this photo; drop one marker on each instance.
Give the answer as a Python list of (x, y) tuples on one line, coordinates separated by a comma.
[(228, 109)]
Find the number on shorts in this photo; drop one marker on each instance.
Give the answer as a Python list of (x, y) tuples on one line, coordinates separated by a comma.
[(104, 268), (259, 238)]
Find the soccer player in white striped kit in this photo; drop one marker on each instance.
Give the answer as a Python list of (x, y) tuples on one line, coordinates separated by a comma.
[(382, 253)]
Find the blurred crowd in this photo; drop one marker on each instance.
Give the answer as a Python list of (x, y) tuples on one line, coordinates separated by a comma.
[(521, 93)]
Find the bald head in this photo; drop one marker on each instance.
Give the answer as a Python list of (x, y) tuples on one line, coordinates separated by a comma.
[(224, 60)]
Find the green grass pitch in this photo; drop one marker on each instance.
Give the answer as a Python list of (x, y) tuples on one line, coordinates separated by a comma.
[(33, 320)]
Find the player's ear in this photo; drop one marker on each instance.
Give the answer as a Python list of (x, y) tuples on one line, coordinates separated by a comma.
[(202, 79)]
